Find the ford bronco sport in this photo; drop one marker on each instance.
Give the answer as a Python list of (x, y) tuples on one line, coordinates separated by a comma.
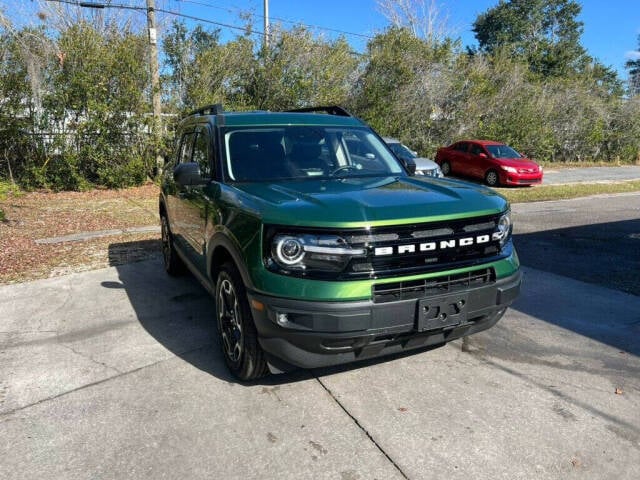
[(320, 247)]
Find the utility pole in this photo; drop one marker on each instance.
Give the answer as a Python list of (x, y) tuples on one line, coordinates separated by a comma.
[(155, 77), (266, 24)]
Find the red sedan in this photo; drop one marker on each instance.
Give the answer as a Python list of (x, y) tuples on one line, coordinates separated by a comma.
[(495, 162)]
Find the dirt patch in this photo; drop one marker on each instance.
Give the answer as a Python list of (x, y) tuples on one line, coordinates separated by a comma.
[(35, 216)]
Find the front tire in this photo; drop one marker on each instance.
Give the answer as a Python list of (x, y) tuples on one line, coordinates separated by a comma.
[(446, 168), (491, 178), (236, 330)]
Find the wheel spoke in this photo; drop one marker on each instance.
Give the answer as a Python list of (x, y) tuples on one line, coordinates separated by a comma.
[(230, 321)]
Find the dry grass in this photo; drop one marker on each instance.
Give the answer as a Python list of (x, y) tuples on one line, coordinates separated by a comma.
[(41, 215), (561, 192)]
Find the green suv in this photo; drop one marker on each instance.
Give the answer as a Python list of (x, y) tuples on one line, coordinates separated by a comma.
[(320, 247)]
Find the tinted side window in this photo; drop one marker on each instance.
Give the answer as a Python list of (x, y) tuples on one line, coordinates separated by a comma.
[(186, 147), (201, 153), (461, 147), (476, 149)]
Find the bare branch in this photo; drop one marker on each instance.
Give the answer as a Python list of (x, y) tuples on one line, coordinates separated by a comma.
[(424, 18)]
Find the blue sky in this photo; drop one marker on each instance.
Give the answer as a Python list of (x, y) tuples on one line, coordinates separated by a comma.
[(611, 27)]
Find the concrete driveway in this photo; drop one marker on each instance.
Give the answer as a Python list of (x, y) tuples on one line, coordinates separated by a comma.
[(114, 374)]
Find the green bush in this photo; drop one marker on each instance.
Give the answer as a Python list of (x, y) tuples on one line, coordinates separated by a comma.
[(6, 189)]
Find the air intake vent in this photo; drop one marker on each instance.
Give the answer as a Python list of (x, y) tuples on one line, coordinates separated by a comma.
[(392, 292)]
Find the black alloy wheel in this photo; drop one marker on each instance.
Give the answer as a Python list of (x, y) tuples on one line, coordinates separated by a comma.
[(236, 330)]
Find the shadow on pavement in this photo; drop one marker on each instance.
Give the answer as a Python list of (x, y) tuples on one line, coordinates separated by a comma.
[(606, 254), (179, 313)]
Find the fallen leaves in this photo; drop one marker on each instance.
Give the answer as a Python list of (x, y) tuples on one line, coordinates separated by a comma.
[(39, 215)]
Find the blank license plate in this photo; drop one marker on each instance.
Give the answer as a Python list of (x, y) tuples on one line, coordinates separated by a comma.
[(440, 312)]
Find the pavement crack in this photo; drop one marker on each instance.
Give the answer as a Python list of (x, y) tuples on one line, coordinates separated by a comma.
[(362, 428), (89, 357), (92, 384)]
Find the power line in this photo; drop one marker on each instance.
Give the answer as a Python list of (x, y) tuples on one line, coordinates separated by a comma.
[(176, 14), (161, 10), (291, 22)]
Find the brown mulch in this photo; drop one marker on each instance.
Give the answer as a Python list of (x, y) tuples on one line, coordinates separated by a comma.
[(41, 215)]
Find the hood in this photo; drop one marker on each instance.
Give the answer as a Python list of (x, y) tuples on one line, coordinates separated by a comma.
[(360, 202), (423, 163)]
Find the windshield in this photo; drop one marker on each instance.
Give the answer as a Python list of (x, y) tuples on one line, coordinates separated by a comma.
[(255, 154), (401, 151), (502, 151)]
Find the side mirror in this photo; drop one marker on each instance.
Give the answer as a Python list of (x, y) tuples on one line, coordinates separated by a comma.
[(188, 174), (482, 155), (410, 165)]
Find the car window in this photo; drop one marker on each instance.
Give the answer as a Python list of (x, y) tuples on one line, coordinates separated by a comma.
[(476, 149), (503, 151), (401, 151), (186, 147), (299, 152), (201, 153), (461, 147)]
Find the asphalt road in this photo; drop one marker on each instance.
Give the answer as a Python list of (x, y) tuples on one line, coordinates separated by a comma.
[(595, 239), (590, 174), (113, 374), (564, 176)]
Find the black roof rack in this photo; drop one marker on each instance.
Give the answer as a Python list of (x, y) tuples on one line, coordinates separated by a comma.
[(209, 110), (330, 109)]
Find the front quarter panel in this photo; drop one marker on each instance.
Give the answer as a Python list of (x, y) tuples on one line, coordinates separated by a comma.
[(236, 229)]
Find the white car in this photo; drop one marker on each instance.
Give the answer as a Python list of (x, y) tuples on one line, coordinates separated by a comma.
[(424, 166)]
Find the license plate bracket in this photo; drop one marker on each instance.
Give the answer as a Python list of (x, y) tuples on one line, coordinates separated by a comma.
[(441, 312)]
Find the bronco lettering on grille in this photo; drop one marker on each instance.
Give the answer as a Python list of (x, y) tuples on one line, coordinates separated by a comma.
[(435, 246)]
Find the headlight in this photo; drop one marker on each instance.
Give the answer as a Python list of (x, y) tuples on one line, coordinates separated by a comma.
[(508, 169), (503, 231), (432, 172), (289, 250), (304, 252)]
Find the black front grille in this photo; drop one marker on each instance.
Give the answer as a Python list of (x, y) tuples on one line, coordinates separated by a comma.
[(423, 248), (392, 292), (403, 250)]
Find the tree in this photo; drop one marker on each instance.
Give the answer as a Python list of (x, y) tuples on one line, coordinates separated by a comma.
[(633, 67), (97, 103), (181, 49), (423, 18), (407, 85), (545, 33), (298, 70), (23, 63)]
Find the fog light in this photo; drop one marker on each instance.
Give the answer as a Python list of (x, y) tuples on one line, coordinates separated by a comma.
[(282, 319)]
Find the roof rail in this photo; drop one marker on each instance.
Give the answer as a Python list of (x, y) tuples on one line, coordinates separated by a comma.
[(330, 109), (208, 110)]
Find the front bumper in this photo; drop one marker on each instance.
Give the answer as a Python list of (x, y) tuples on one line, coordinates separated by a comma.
[(521, 178), (311, 334)]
